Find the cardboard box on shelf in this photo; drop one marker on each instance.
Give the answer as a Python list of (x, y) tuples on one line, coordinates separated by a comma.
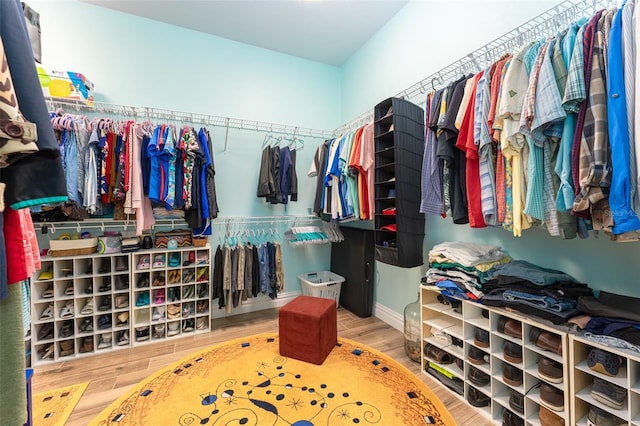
[(66, 85)]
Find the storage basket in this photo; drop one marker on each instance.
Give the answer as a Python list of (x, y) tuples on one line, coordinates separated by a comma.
[(325, 284), (73, 247)]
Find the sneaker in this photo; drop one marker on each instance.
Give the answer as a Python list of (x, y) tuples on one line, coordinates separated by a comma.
[(105, 341), (608, 394), (123, 338), (604, 362), (142, 334), (600, 417), (158, 261)]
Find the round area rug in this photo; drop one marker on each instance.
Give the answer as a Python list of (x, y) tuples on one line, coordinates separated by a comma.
[(247, 382)]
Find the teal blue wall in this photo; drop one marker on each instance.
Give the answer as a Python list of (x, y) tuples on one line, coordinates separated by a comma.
[(139, 62), (136, 61), (422, 38)]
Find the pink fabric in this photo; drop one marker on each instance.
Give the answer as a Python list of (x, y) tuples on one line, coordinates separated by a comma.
[(23, 254), (139, 203)]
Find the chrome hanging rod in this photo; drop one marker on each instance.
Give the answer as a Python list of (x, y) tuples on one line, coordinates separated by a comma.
[(543, 25), (149, 113)]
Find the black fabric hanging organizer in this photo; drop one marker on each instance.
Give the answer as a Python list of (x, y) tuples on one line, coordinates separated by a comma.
[(398, 143)]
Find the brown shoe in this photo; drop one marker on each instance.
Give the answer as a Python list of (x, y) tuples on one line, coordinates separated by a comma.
[(550, 370), (512, 352), (481, 338), (511, 375), (510, 327), (437, 354), (516, 401), (549, 418), (546, 340), (552, 397)]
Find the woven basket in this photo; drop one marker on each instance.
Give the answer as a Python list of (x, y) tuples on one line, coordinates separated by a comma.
[(199, 241), (73, 252)]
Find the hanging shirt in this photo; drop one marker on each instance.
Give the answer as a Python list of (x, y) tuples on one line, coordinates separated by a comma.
[(482, 138), (624, 218), (368, 163), (512, 142), (317, 169), (466, 144), (154, 172)]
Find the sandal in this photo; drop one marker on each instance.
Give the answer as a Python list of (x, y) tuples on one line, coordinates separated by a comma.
[(202, 274), (67, 310), (46, 352), (188, 276), (47, 313), (158, 280), (174, 276), (159, 297), (173, 311), (48, 293), (87, 309), (201, 323)]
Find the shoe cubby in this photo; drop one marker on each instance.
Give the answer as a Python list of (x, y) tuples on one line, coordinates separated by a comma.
[(88, 304), (499, 343), (606, 383)]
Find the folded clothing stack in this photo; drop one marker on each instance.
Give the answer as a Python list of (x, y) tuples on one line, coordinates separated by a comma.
[(460, 268), (129, 242)]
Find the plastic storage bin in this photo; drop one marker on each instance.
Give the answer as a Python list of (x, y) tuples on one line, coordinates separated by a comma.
[(323, 284)]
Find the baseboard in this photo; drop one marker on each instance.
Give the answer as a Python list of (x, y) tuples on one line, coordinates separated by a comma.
[(255, 304), (389, 316)]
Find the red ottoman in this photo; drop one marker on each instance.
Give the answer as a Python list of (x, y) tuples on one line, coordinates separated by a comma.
[(308, 328)]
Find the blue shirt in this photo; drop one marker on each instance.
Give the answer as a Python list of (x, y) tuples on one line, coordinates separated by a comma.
[(624, 218)]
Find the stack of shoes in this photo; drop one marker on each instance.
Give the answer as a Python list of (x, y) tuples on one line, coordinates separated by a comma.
[(158, 313), (86, 326), (188, 325), (158, 261), (47, 313)]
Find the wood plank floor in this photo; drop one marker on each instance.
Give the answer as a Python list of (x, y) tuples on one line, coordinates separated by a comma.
[(112, 374)]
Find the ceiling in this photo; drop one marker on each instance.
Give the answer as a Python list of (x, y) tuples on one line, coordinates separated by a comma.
[(327, 31)]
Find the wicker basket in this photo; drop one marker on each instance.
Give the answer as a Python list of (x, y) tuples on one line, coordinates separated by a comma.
[(73, 247), (72, 252), (199, 241)]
